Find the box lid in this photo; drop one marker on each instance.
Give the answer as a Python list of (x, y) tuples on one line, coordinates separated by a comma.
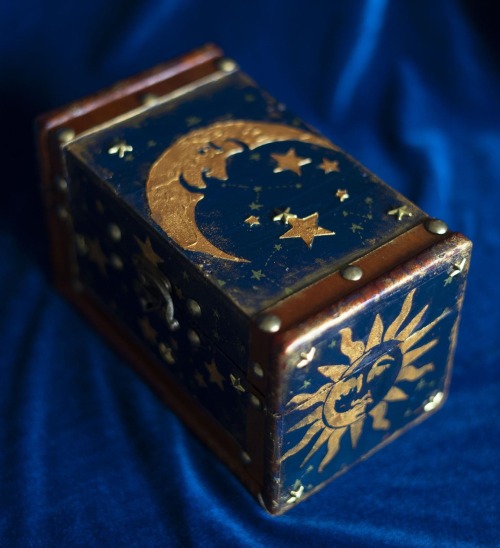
[(258, 201)]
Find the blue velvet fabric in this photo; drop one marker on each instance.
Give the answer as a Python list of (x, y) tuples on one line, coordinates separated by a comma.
[(88, 455)]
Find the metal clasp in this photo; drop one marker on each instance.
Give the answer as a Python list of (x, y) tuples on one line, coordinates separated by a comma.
[(155, 292)]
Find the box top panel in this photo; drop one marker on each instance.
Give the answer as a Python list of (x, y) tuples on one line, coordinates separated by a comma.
[(260, 202)]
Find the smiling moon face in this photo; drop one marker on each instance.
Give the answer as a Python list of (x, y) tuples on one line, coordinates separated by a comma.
[(180, 173), (366, 385)]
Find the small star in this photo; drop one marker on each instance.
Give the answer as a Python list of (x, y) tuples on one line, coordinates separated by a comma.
[(255, 156), (328, 166), (342, 194), (215, 375), (249, 97), (257, 275), (333, 344), (178, 293), (306, 229), (148, 251), (151, 143), (121, 149), (97, 256), (200, 381), (306, 357), (166, 353), (345, 213), (368, 200), (252, 220), (458, 268), (305, 385), (255, 207), (284, 216), (257, 189), (235, 381), (148, 330), (356, 228), (192, 121), (278, 247), (400, 212), (448, 281), (289, 162)]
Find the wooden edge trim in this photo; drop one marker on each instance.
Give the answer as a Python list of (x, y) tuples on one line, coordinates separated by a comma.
[(86, 113)]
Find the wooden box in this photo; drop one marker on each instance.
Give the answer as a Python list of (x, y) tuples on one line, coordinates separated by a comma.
[(296, 312)]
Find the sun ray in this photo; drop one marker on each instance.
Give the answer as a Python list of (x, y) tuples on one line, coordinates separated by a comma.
[(308, 419), (378, 414), (376, 333), (395, 394), (408, 330), (415, 337), (333, 447), (412, 373), (323, 438), (413, 355), (398, 322), (356, 429), (333, 372), (352, 349), (314, 429), (309, 399)]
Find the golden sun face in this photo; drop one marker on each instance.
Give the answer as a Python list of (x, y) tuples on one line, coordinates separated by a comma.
[(366, 385)]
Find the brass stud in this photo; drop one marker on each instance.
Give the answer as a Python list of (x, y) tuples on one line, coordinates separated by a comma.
[(149, 99), (269, 323), (114, 232), (352, 273), (61, 184), (227, 65), (435, 226), (433, 402), (65, 135), (193, 337), (254, 400), (257, 369), (116, 262), (193, 308), (62, 212)]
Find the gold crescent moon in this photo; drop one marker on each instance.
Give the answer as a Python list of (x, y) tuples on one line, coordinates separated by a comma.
[(205, 151)]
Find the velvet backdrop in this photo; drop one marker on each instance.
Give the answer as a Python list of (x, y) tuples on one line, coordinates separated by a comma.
[(88, 456)]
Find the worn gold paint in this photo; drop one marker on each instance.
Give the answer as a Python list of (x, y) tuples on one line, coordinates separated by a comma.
[(205, 151), (306, 228), (344, 382)]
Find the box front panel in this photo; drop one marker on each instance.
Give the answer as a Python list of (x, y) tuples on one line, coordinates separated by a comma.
[(163, 303), (358, 379)]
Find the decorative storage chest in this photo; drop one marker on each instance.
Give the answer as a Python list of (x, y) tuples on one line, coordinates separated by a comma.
[(296, 312)]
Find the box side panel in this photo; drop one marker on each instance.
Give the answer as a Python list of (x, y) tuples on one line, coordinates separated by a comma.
[(364, 371)]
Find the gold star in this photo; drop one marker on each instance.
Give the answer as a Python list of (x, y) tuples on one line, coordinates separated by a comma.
[(215, 375), (342, 194), (235, 381), (192, 121), (252, 220), (355, 227), (400, 212), (458, 268), (306, 228), (328, 166), (148, 251), (97, 256), (121, 149), (278, 247), (166, 353), (147, 330), (284, 216), (255, 207), (289, 162), (257, 275), (200, 381)]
